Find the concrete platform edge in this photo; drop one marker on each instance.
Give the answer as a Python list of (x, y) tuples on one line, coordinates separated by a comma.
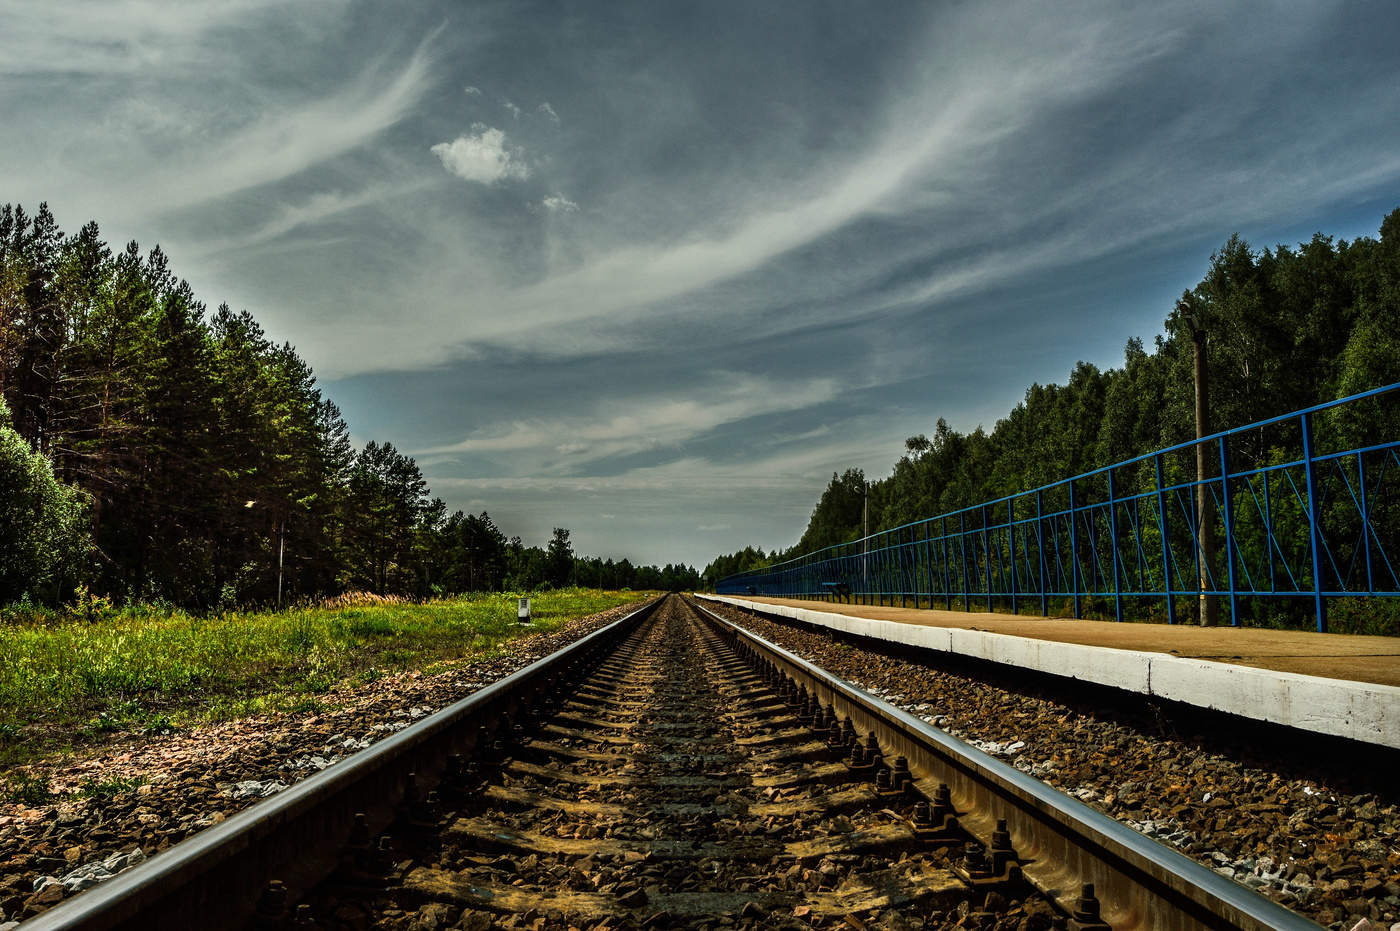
[(1355, 710)]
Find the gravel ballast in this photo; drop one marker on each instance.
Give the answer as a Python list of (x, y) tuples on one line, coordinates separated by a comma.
[(1325, 846)]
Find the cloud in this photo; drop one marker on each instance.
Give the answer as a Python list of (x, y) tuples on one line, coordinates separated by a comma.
[(567, 444), (932, 141), (315, 209), (122, 36), (472, 91), (286, 141), (558, 203), (984, 168), (548, 111), (147, 110), (481, 156), (511, 108)]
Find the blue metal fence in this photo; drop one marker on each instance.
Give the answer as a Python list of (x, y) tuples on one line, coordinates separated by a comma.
[(1302, 506)]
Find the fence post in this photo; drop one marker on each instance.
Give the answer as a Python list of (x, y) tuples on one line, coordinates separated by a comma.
[(1229, 531), (1011, 546), (928, 564), (1166, 542), (1073, 549), (1040, 549), (1314, 524), (987, 558), (962, 551), (903, 582), (881, 574), (1113, 542), (886, 575), (947, 568), (1365, 519)]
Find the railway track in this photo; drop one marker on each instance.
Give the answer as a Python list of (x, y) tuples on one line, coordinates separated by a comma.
[(670, 770)]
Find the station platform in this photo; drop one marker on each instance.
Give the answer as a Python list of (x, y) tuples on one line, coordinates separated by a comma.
[(1338, 684)]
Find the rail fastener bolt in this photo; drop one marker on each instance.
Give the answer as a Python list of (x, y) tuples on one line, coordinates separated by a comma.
[(901, 777), (866, 760), (891, 783), (1087, 916), (937, 823), (272, 905), (1005, 863)]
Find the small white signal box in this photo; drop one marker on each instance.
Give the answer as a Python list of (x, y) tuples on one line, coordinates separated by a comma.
[(522, 613)]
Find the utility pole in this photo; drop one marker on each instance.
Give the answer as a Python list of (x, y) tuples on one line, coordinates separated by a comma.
[(281, 549), (1205, 510)]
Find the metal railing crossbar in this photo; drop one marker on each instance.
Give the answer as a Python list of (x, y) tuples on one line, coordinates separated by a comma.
[(1091, 538)]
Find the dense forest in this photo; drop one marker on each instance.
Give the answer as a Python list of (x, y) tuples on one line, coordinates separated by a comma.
[(151, 450), (1285, 329)]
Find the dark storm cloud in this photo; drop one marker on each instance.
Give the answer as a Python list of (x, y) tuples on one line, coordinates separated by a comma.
[(653, 273)]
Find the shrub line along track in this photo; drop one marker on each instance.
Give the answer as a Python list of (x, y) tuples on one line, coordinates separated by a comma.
[(667, 769)]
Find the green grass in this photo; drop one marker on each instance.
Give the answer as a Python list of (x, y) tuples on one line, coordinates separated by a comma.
[(26, 788), (70, 680), (110, 785)]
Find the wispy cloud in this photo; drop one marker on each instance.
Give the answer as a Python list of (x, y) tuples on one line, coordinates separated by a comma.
[(933, 143), (562, 445), (314, 210), (121, 36), (286, 141)]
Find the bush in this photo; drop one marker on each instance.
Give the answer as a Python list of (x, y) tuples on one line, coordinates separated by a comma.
[(43, 522)]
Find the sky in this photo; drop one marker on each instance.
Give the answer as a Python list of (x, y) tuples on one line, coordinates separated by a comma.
[(653, 271)]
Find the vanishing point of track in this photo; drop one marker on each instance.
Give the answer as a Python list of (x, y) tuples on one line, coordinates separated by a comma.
[(670, 770)]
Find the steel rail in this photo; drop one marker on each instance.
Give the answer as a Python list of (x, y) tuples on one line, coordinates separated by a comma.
[(1061, 843), (216, 879)]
